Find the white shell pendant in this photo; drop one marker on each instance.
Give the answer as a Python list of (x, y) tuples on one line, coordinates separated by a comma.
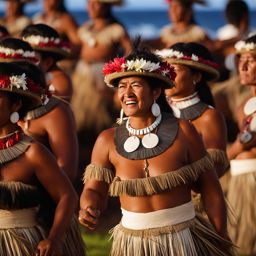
[(150, 140), (250, 106), (253, 124), (131, 144)]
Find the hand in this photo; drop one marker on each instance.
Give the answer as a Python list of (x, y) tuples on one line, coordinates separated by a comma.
[(48, 248), (89, 217)]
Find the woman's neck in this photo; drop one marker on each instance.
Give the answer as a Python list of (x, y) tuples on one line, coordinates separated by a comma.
[(141, 122), (180, 26), (8, 129)]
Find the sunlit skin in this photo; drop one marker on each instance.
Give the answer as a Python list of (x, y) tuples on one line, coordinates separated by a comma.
[(214, 136), (101, 52), (38, 164), (66, 25), (57, 78), (247, 74), (60, 137), (136, 97)]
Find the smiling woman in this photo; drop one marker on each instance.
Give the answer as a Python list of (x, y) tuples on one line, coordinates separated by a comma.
[(151, 162)]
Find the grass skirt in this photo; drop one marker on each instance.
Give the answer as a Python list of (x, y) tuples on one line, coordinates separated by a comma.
[(73, 244), (20, 241), (241, 196), (192, 238)]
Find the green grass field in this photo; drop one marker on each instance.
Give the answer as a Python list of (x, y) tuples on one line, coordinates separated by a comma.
[(97, 244)]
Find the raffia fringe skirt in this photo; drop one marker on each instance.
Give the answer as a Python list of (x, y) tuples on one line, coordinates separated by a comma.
[(194, 237), (241, 196), (19, 232), (73, 244)]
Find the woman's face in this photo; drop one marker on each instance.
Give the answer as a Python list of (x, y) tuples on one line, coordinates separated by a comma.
[(247, 68), (184, 82), (50, 5), (6, 109), (176, 11), (95, 9), (13, 7), (136, 96)]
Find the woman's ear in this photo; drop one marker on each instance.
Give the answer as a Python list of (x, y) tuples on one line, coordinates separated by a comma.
[(197, 77), (16, 106), (156, 93)]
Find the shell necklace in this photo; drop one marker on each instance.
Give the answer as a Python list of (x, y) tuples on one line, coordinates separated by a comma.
[(149, 140)]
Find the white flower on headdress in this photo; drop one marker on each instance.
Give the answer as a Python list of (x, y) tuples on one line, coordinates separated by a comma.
[(9, 51), (169, 53), (194, 57), (242, 45), (19, 82), (141, 65), (35, 40)]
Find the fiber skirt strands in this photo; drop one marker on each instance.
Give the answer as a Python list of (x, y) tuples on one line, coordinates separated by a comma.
[(193, 237), (17, 239), (241, 196)]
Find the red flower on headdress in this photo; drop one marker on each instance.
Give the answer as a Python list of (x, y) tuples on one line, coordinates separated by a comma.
[(167, 70), (4, 81), (32, 86), (113, 66)]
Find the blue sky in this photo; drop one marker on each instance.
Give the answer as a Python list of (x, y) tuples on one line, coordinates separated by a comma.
[(155, 3), (80, 4)]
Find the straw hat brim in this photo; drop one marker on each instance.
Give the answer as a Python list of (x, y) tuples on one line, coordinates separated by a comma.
[(62, 54), (16, 60), (34, 99), (110, 79), (211, 73)]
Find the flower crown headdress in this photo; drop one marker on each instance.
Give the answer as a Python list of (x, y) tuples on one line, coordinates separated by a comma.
[(243, 46), (18, 54), (20, 83), (121, 67), (177, 57), (170, 53), (41, 42)]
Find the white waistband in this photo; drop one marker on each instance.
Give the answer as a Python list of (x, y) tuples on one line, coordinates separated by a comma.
[(160, 218), (24, 218), (243, 166)]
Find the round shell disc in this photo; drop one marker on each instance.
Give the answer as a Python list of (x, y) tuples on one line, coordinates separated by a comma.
[(250, 106), (131, 144), (150, 140)]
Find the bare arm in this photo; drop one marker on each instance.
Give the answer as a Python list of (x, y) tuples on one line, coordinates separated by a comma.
[(208, 185), (63, 140), (60, 189), (94, 197)]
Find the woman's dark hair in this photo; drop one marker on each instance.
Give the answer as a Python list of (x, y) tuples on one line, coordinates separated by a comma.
[(251, 39), (61, 6), (44, 31), (17, 69), (235, 11), (201, 51), (15, 44), (3, 32)]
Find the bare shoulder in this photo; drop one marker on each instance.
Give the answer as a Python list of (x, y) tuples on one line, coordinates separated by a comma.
[(67, 18), (106, 137), (36, 151), (212, 115), (187, 128)]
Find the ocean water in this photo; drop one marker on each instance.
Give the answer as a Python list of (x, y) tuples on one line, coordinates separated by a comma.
[(148, 23)]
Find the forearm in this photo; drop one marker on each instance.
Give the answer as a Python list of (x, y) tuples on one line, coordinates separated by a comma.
[(63, 215), (235, 149), (94, 199), (217, 213)]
